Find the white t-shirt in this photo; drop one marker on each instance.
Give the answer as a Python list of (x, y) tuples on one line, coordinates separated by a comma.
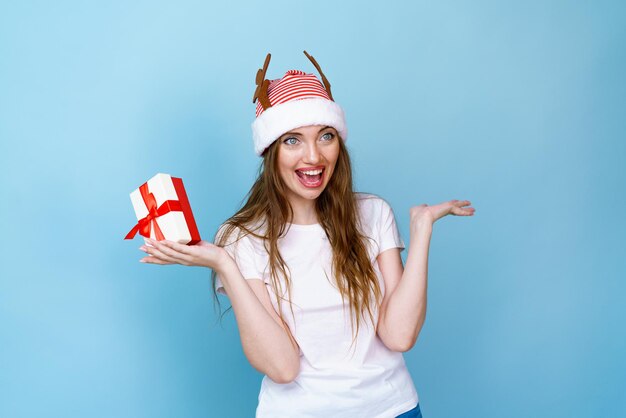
[(367, 380)]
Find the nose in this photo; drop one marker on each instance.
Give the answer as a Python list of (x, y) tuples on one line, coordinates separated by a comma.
[(311, 153)]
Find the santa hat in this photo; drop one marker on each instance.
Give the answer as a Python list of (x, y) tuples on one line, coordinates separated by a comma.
[(295, 100)]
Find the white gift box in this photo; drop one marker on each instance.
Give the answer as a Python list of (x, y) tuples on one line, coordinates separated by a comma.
[(163, 211)]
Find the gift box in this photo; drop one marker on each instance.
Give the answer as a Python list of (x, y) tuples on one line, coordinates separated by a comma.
[(163, 211)]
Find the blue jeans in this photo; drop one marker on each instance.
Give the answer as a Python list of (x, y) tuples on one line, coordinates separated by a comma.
[(413, 413)]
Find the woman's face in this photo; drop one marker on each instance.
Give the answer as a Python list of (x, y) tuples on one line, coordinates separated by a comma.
[(306, 160)]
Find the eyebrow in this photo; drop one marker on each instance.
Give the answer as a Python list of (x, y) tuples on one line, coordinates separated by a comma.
[(299, 134)]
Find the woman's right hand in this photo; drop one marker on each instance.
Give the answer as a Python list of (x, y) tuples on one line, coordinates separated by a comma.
[(204, 254)]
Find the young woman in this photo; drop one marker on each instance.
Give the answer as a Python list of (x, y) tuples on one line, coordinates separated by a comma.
[(313, 270)]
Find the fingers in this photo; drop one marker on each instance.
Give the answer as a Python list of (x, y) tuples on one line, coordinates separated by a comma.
[(460, 203), (459, 209), (162, 252), (154, 260), (172, 246), (174, 251), (157, 254), (464, 211)]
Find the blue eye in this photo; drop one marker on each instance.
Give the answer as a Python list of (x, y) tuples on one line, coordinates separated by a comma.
[(286, 141), (328, 136)]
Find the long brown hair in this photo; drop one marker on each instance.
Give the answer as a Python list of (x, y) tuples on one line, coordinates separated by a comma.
[(337, 211)]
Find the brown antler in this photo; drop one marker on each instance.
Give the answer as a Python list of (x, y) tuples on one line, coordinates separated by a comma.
[(262, 85), (319, 70)]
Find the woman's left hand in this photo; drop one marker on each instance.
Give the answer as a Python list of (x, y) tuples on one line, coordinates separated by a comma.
[(422, 215)]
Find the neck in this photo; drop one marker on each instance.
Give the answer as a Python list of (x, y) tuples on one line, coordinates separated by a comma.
[(303, 211)]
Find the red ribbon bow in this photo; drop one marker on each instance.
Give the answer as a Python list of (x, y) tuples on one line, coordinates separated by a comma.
[(144, 225)]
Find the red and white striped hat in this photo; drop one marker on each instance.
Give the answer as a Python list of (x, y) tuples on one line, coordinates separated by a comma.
[(295, 100)]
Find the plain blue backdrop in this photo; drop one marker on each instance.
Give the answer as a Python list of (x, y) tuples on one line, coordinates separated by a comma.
[(518, 107)]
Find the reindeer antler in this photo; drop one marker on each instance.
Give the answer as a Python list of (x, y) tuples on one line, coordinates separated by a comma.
[(262, 85), (319, 70)]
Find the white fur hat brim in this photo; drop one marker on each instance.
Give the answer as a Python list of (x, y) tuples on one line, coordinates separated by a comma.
[(281, 118)]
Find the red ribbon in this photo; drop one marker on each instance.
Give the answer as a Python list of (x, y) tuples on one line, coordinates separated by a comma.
[(144, 226)]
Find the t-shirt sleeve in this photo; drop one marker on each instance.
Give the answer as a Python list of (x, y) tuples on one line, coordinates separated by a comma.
[(243, 252), (389, 234)]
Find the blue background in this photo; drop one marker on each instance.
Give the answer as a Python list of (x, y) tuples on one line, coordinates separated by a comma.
[(518, 107)]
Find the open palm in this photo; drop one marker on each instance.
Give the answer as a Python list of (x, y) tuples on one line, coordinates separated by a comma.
[(425, 214), (204, 253)]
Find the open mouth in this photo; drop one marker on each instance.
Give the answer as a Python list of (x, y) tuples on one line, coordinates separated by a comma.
[(311, 178)]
